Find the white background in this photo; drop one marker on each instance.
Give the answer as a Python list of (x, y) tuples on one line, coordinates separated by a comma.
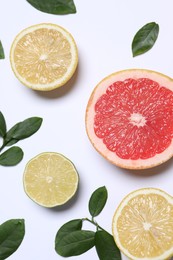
[(103, 31)]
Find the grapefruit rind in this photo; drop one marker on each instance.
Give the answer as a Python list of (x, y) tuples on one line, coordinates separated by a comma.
[(98, 144), (167, 254), (71, 69), (57, 203)]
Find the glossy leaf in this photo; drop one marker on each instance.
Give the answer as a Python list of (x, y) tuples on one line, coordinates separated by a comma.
[(23, 130), (3, 128), (11, 235), (2, 55), (97, 201), (11, 157), (68, 227), (106, 247), (75, 243), (145, 38), (54, 6)]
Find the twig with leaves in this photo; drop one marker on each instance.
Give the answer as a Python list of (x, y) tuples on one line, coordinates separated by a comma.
[(71, 240), (19, 131)]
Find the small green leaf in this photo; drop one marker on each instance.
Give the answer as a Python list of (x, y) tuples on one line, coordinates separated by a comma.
[(11, 235), (2, 55), (68, 227), (11, 157), (54, 6), (106, 247), (75, 243), (145, 38), (23, 130), (3, 128), (97, 201)]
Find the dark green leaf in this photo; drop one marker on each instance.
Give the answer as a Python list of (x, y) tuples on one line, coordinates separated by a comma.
[(145, 38), (2, 55), (97, 201), (68, 227), (11, 142), (106, 247), (23, 130), (54, 6), (3, 128), (11, 235), (11, 157), (75, 243)]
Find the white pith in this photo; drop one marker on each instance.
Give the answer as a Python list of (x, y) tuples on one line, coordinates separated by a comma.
[(137, 119), (90, 113), (167, 254)]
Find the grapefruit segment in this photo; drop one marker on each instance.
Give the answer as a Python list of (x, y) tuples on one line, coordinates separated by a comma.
[(129, 118)]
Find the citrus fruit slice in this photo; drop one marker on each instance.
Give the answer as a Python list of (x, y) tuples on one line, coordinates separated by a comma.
[(129, 118), (44, 56), (143, 225), (50, 179)]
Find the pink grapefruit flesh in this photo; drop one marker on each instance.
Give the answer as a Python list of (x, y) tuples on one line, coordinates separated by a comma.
[(129, 118)]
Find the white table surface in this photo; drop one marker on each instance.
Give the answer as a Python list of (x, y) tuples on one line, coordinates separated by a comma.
[(103, 31)]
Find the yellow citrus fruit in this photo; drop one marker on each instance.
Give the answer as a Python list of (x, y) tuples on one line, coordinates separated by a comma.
[(44, 56), (143, 225), (50, 179)]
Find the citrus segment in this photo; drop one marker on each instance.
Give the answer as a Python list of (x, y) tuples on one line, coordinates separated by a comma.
[(129, 118), (50, 179), (143, 225), (44, 56)]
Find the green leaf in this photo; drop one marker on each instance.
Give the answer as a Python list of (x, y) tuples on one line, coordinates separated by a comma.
[(68, 227), (3, 128), (54, 6), (11, 235), (11, 157), (75, 243), (2, 55), (106, 247), (97, 201), (145, 38), (23, 130)]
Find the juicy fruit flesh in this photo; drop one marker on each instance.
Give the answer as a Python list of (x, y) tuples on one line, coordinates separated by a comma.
[(145, 226), (134, 118), (50, 180), (42, 56)]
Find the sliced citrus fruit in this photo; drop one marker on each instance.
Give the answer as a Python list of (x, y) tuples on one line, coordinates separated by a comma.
[(44, 56), (129, 118), (143, 225), (50, 179)]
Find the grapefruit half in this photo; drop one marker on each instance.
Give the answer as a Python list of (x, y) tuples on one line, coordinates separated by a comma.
[(129, 118)]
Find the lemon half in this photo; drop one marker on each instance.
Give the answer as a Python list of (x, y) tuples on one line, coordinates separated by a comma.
[(44, 56), (143, 225)]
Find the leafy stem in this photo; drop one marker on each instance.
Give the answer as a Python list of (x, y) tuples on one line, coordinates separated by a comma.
[(72, 240), (19, 131), (98, 227)]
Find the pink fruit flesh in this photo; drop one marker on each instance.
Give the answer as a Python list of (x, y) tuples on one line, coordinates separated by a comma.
[(134, 118)]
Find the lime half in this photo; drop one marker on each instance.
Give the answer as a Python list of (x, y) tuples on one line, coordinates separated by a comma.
[(50, 179)]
